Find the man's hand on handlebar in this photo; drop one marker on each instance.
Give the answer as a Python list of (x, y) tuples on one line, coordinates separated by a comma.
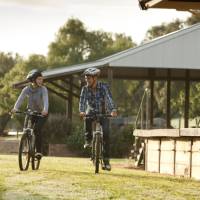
[(82, 114), (113, 114), (44, 113)]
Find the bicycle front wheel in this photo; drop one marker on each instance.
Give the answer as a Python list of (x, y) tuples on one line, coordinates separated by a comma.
[(97, 153), (24, 152)]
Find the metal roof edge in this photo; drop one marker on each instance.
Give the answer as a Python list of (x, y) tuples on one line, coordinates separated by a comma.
[(151, 43)]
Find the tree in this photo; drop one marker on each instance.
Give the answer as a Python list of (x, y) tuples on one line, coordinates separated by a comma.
[(163, 29), (102, 44), (70, 44), (74, 44), (7, 61), (194, 19)]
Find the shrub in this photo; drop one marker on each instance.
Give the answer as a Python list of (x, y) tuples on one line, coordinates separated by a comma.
[(75, 140), (55, 130), (121, 141)]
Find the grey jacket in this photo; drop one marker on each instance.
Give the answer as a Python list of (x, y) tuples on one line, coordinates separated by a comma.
[(37, 98)]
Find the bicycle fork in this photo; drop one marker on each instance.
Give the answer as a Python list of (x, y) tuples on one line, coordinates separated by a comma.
[(31, 140), (97, 141)]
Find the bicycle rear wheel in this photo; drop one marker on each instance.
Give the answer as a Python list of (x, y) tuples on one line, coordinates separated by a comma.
[(97, 153), (35, 161), (24, 152)]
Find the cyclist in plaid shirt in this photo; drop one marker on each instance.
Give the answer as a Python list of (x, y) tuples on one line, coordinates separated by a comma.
[(96, 98)]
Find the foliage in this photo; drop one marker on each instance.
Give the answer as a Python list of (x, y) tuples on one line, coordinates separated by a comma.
[(127, 95), (194, 19), (69, 45), (56, 129), (121, 141), (7, 94), (75, 140), (56, 104), (7, 61), (163, 29), (74, 44), (194, 100)]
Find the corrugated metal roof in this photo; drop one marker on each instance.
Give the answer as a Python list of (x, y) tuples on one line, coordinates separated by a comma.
[(178, 50), (63, 71)]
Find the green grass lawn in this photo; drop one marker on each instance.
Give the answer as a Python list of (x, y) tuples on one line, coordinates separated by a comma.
[(74, 178)]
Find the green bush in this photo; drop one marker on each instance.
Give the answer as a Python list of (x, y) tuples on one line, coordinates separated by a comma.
[(121, 141), (75, 140), (56, 129)]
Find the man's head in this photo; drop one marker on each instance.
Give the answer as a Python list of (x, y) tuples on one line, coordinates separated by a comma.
[(35, 76), (91, 75)]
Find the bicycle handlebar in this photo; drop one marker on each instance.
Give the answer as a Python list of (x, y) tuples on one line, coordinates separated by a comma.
[(30, 113), (97, 116)]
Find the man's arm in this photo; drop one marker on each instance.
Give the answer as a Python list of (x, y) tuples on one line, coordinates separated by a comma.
[(111, 105), (82, 101)]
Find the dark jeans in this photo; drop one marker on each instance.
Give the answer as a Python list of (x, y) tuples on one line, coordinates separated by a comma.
[(38, 123), (106, 139)]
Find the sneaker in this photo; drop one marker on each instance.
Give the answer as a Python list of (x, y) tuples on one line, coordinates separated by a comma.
[(87, 144), (106, 166), (38, 155)]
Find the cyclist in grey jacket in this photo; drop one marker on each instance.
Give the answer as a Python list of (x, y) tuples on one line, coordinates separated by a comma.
[(37, 95)]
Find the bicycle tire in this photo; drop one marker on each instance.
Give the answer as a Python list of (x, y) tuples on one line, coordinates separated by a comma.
[(35, 162), (24, 152), (97, 153)]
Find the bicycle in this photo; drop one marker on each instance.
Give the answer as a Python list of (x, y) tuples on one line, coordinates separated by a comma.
[(97, 140), (27, 147)]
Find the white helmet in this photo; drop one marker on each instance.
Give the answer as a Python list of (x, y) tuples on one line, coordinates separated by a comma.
[(92, 72)]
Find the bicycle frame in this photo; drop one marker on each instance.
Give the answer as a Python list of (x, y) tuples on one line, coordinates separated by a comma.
[(97, 140), (31, 139), (97, 136), (28, 142)]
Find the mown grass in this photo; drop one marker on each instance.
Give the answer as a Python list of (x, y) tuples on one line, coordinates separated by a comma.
[(74, 178)]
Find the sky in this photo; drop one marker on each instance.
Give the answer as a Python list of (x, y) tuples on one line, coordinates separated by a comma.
[(29, 26)]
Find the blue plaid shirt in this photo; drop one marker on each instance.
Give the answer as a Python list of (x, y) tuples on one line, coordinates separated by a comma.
[(99, 101)]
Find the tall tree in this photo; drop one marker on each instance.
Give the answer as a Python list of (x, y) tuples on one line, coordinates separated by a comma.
[(74, 44), (163, 29), (69, 45), (194, 19), (7, 61)]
